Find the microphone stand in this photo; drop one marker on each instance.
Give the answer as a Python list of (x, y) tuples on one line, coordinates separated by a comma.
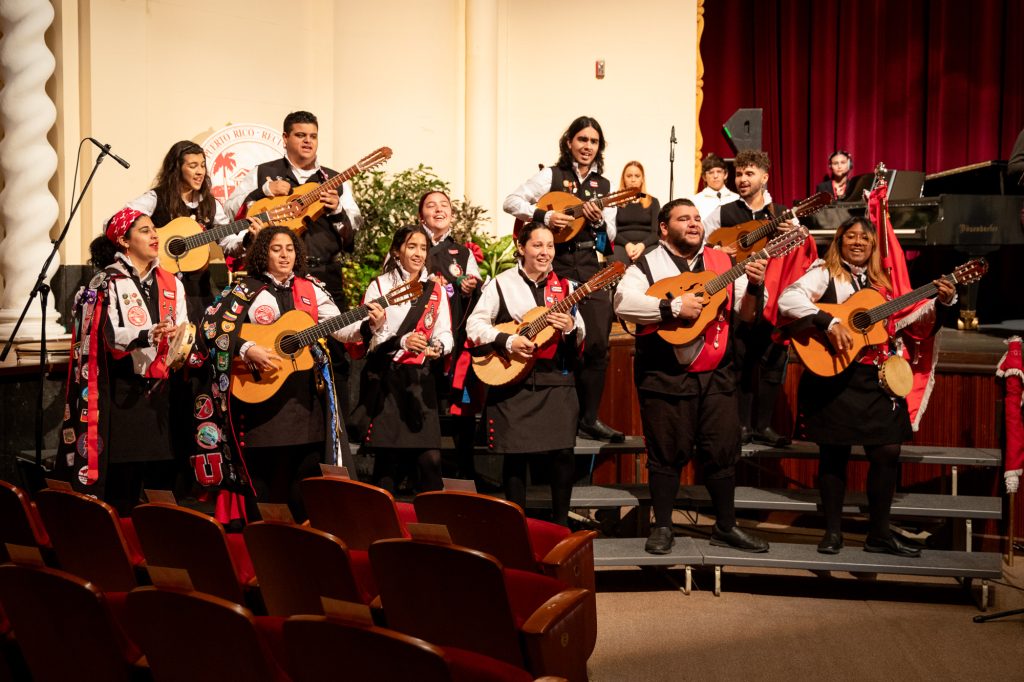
[(43, 289), (672, 163)]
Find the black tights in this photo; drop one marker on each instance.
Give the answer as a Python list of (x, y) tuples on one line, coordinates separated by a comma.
[(561, 469), (881, 486), (721, 485), (387, 464)]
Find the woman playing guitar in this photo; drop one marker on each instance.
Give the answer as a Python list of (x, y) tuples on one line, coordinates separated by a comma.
[(851, 408), (534, 419), (398, 400), (283, 438), (116, 435)]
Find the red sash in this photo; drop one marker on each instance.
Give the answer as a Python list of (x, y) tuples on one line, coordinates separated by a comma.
[(167, 293), (554, 291), (304, 297), (716, 336), (425, 326)]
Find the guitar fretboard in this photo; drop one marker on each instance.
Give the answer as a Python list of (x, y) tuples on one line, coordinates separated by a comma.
[(307, 337), (866, 318), (217, 233)]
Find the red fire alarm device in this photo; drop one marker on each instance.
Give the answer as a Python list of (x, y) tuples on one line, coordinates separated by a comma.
[(599, 69)]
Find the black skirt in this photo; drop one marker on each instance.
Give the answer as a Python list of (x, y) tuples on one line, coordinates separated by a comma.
[(850, 409), (140, 429), (528, 417), (398, 406)]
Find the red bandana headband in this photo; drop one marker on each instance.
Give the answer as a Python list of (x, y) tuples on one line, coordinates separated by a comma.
[(121, 222)]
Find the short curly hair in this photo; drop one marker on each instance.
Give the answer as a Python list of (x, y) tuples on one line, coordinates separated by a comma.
[(753, 157), (259, 251)]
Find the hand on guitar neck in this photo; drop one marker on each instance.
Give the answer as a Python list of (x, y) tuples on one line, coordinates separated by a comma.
[(591, 212)]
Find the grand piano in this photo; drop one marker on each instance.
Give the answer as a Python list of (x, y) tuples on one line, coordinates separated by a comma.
[(974, 209)]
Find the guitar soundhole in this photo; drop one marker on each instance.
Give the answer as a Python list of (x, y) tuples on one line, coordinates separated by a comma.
[(176, 247), (744, 240), (860, 321), (290, 345)]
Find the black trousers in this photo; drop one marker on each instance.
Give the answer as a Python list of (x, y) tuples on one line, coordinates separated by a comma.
[(676, 428), (760, 370)]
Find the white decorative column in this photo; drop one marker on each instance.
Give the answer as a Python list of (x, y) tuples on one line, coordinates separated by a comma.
[(28, 210), (482, 105)]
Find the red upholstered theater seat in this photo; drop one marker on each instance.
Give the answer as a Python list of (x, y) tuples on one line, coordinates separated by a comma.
[(89, 539), (321, 648), (199, 637), (65, 626), (453, 596)]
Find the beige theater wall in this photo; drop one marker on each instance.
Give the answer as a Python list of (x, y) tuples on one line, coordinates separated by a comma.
[(142, 74)]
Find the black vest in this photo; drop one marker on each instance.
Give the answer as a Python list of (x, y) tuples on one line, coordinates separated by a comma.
[(570, 263), (737, 212), (655, 367), (321, 238)]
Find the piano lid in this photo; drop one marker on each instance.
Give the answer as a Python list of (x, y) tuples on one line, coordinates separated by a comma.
[(986, 177)]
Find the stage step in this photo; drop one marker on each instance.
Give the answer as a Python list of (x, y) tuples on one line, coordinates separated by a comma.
[(690, 552), (630, 552), (915, 454), (904, 504)]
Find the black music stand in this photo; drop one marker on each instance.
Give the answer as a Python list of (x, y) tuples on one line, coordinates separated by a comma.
[(35, 476)]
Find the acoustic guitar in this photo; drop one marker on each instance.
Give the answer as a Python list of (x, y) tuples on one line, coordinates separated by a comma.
[(862, 314), (185, 246), (710, 288), (291, 335), (752, 235), (572, 205), (499, 369)]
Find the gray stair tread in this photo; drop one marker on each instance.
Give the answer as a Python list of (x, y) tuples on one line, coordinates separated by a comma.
[(800, 556), (630, 552), (916, 454), (904, 504)]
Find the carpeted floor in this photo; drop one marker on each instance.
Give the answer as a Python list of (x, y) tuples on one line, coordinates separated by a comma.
[(792, 625)]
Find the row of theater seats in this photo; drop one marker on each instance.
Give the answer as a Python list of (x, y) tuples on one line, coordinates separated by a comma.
[(507, 599)]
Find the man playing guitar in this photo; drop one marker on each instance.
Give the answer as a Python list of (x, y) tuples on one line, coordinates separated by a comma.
[(687, 393), (578, 171), (760, 363)]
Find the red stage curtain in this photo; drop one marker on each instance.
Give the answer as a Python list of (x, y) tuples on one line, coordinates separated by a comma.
[(919, 84)]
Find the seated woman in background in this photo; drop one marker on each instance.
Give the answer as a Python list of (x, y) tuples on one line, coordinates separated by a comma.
[(398, 399), (535, 418), (116, 436), (636, 221), (838, 185)]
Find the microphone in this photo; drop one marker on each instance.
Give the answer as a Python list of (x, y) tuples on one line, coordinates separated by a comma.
[(106, 150), (672, 136), (672, 145)]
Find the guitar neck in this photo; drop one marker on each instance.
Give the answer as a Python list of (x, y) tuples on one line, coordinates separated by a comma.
[(565, 305), (768, 228), (720, 282), (307, 337), (892, 307), (331, 183), (215, 234)]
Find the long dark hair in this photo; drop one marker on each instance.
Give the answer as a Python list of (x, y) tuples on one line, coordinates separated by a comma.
[(834, 256), (103, 252), (259, 252), (565, 159), (168, 184), (402, 235)]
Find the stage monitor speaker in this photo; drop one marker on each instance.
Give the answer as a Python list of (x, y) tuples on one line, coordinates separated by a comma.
[(743, 129)]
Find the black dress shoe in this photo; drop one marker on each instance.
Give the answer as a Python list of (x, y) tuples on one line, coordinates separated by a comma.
[(737, 538), (598, 430), (831, 543), (746, 435), (770, 437), (893, 544), (660, 540)]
